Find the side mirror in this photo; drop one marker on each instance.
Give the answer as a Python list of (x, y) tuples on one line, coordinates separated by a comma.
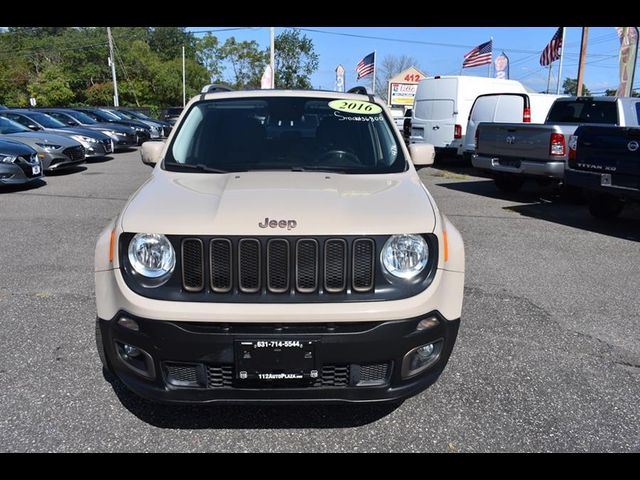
[(72, 123), (422, 154), (32, 126), (151, 152)]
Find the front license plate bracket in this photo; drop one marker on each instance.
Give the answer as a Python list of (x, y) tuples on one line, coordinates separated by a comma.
[(275, 361)]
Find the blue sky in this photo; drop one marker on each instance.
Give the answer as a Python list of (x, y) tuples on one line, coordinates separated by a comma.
[(523, 45)]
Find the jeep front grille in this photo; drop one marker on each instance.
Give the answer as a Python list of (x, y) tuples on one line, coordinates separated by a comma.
[(278, 265)]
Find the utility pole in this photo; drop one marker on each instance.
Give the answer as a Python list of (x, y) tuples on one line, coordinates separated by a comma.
[(273, 58), (112, 61), (564, 29), (184, 81), (583, 57)]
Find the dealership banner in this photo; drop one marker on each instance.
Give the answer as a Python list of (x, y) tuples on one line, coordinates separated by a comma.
[(339, 78), (502, 66), (402, 88), (628, 54)]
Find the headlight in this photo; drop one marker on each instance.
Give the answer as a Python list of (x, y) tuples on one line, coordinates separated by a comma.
[(405, 256), (120, 134), (7, 159), (82, 138), (49, 146), (140, 129), (111, 134), (151, 255)]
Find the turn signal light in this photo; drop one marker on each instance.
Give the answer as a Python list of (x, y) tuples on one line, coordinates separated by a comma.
[(526, 115), (112, 245), (457, 131)]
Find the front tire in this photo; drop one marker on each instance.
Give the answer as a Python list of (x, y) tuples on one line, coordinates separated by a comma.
[(508, 183), (604, 206)]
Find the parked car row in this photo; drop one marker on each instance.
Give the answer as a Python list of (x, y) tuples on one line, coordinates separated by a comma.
[(35, 141)]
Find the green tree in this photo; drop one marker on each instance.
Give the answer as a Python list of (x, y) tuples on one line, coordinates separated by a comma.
[(246, 61), (51, 87), (611, 92), (570, 87), (167, 42), (210, 56), (295, 59)]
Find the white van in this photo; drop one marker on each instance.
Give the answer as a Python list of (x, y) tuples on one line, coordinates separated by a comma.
[(442, 107), (505, 108)]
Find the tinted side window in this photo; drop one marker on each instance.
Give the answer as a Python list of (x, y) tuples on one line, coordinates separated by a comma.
[(638, 111)]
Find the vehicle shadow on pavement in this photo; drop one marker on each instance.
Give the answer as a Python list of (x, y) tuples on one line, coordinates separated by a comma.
[(99, 159), (247, 416), (553, 205), (22, 188), (65, 171)]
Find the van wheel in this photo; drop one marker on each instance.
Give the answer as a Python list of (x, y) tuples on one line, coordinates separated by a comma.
[(603, 205), (508, 183)]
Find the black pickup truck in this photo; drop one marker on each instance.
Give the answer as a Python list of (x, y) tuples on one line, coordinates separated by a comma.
[(605, 162)]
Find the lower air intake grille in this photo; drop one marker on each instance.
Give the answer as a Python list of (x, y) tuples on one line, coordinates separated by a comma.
[(374, 373), (333, 376), (219, 376)]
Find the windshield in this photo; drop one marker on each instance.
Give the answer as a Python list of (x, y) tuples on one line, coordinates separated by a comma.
[(583, 112), (9, 126), (117, 115), (46, 120), (82, 117), (136, 115), (286, 133)]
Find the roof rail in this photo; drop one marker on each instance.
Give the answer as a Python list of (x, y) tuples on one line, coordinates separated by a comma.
[(360, 90), (216, 87)]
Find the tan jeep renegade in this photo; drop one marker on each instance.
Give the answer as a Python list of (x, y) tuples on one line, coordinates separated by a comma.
[(283, 250)]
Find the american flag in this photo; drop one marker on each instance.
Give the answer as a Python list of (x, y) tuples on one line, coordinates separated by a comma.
[(552, 51), (481, 55), (366, 65)]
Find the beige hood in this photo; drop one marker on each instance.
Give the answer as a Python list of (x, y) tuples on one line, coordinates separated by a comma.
[(318, 203)]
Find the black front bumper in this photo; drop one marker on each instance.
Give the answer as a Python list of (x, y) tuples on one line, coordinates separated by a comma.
[(622, 186), (358, 362)]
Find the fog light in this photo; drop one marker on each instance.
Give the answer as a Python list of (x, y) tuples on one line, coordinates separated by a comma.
[(136, 359), (129, 323), (421, 358), (131, 351)]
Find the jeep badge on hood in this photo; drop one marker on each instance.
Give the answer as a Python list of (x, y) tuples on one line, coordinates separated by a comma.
[(288, 224)]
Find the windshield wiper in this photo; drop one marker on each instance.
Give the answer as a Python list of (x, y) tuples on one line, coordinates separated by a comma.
[(199, 167)]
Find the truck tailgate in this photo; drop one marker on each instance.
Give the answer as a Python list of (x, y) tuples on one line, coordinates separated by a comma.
[(515, 140), (608, 150)]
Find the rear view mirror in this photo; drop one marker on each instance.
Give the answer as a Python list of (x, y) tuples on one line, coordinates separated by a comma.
[(151, 152), (422, 154)]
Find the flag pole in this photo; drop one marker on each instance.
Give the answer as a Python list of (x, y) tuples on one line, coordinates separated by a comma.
[(491, 62), (561, 58), (373, 86), (549, 77)]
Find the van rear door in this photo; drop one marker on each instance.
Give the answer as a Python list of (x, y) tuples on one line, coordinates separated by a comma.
[(494, 107), (434, 112)]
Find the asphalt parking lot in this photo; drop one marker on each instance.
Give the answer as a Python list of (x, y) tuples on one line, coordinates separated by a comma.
[(547, 358)]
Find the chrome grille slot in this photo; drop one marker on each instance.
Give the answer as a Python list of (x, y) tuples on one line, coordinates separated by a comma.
[(249, 271), (363, 264), (278, 266), (192, 265), (306, 265), (221, 266)]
